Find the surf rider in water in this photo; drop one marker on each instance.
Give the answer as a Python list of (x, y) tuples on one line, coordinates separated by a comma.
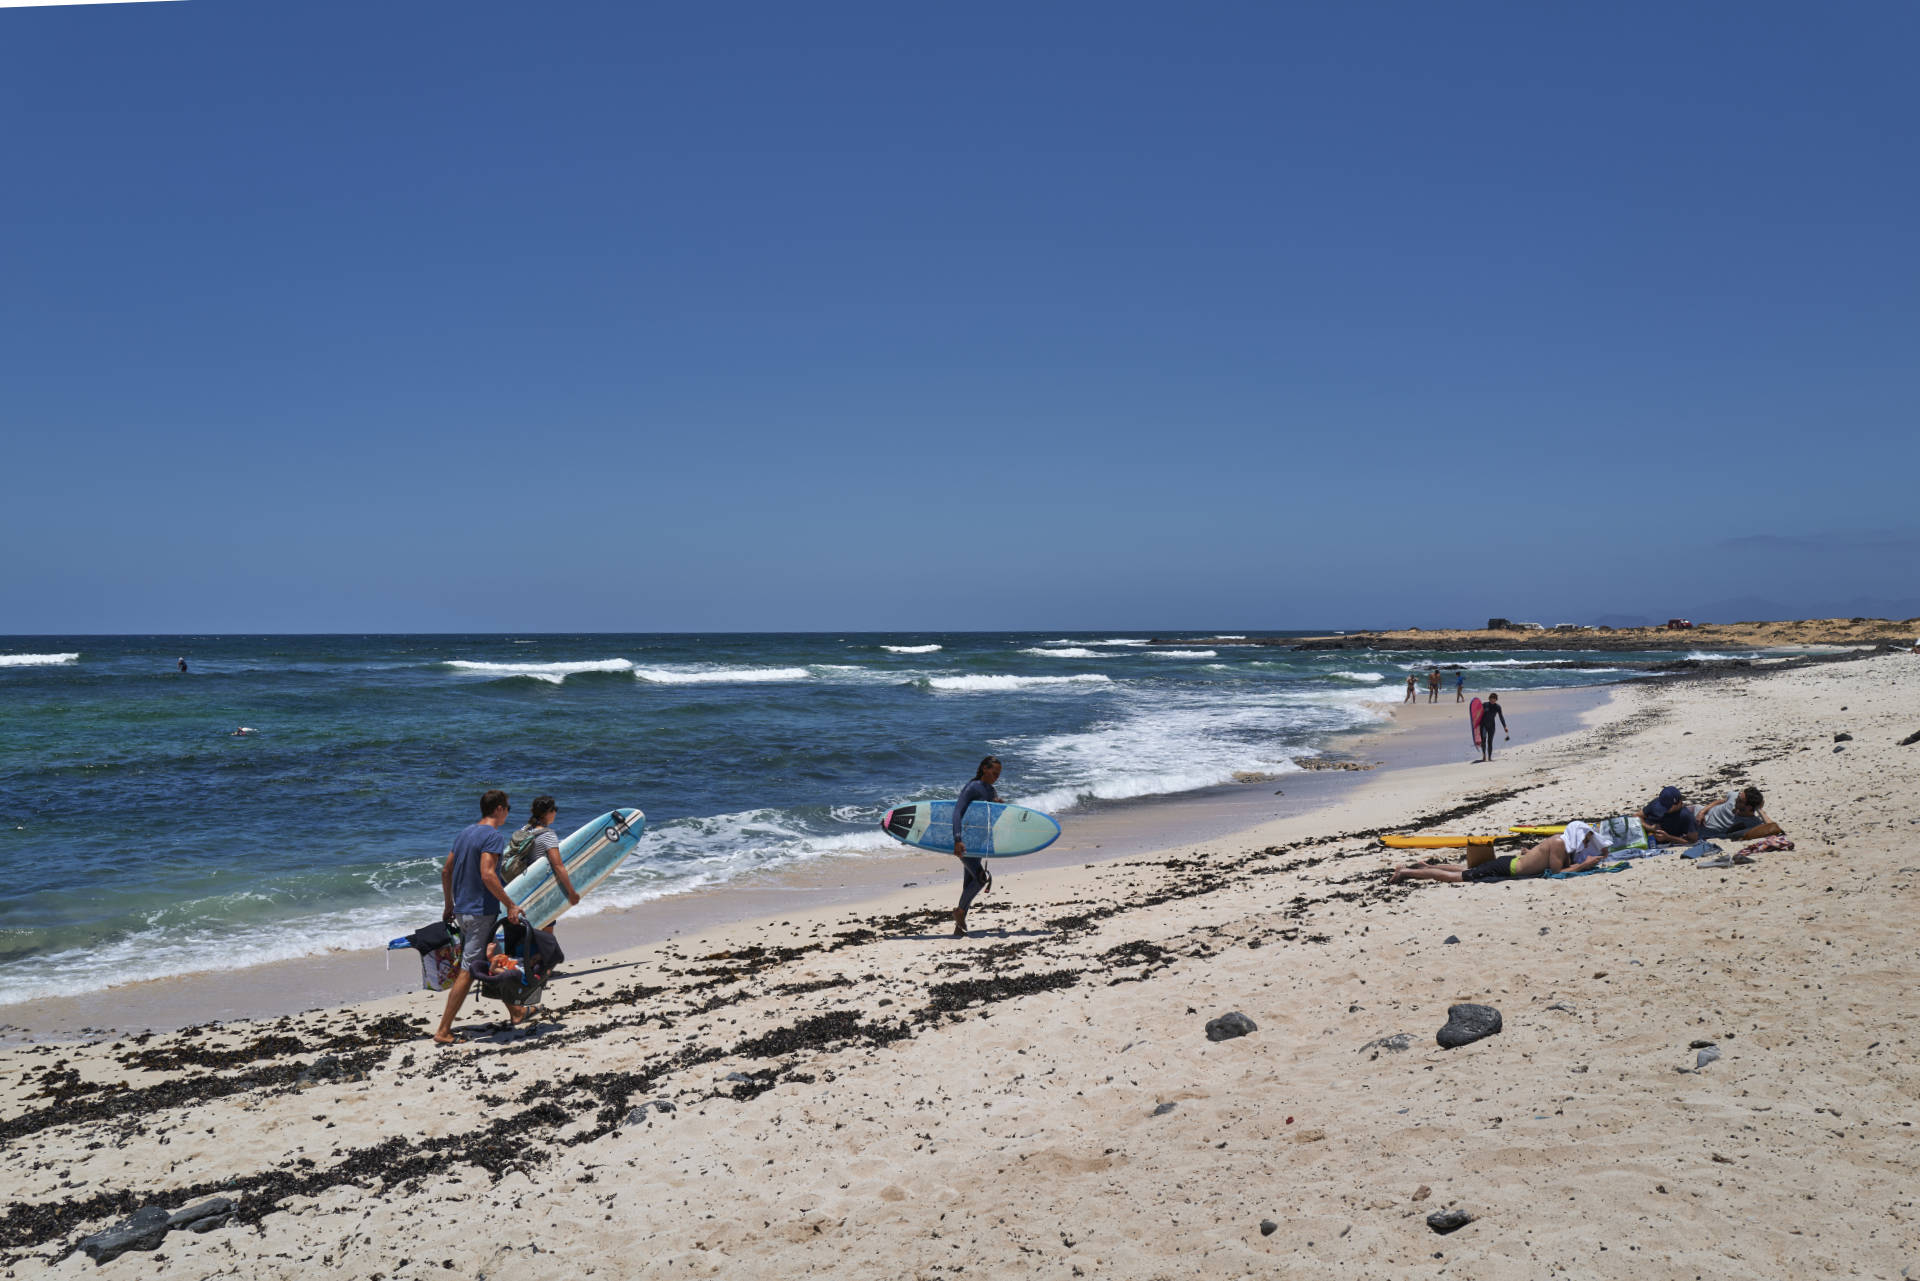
[(975, 879)]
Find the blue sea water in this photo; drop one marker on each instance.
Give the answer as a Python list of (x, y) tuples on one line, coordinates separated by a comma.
[(139, 836)]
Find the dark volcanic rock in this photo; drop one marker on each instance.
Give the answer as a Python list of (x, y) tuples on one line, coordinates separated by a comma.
[(1445, 1221), (1267, 1227), (1228, 1026), (1451, 938), (204, 1217), (1165, 1108), (1910, 739), (1467, 1024), (1843, 738), (144, 1229)]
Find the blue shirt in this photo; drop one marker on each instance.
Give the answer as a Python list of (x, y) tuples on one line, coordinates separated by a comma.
[(975, 790), (470, 896)]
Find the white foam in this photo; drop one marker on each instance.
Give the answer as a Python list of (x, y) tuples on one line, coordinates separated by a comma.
[(552, 673), (718, 675), (1071, 651), (982, 684), (37, 660), (1358, 676), (1161, 745), (911, 649), (1184, 653), (1229, 636), (687, 854), (1703, 656), (1121, 640)]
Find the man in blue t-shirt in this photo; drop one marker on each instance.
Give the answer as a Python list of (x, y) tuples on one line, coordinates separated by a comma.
[(474, 897)]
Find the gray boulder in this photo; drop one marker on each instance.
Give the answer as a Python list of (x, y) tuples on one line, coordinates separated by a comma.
[(1445, 1221), (205, 1217), (144, 1229), (1228, 1026), (1467, 1024)]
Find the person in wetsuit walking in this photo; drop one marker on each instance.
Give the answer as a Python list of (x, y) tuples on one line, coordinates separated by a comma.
[(974, 875), (1489, 713)]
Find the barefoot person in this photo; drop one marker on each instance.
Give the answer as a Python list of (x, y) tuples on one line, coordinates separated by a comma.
[(534, 842), (1433, 686), (470, 886), (1489, 713), (974, 875), (1412, 696), (1576, 849)]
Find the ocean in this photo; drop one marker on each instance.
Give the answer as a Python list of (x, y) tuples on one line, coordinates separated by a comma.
[(140, 837)]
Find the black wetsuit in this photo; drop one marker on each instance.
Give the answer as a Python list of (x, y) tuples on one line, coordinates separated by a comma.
[(975, 877), (1489, 712)]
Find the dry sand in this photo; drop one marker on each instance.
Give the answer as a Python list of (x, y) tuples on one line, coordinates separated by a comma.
[(904, 1105)]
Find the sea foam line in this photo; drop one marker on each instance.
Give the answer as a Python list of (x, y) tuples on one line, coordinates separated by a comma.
[(983, 684), (911, 649), (718, 675), (552, 673), (37, 660)]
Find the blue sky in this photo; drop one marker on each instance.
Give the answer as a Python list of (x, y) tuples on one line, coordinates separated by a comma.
[(398, 315)]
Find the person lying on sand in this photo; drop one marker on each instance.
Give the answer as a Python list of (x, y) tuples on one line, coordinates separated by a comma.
[(1739, 816), (1574, 850), (1669, 821)]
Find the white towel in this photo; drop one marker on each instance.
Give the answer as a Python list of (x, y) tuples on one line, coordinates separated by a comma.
[(1579, 837)]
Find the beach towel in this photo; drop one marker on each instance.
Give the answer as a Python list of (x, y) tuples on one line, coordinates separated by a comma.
[(1771, 843), (1622, 832), (1655, 852), (1589, 871), (1705, 849)]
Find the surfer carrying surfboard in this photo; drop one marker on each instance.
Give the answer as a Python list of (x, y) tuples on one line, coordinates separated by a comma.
[(1489, 713), (974, 875)]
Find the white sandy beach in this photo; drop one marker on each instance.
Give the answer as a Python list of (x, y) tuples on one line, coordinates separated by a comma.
[(908, 1105)]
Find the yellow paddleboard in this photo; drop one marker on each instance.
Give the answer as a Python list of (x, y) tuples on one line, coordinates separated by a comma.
[(1539, 829), (1436, 842)]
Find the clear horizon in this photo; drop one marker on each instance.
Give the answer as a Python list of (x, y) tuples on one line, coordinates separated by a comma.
[(604, 319)]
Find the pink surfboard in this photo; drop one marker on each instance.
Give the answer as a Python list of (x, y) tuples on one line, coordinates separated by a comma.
[(1473, 719)]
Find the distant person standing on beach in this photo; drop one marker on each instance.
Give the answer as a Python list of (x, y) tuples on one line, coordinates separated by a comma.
[(974, 875), (1412, 695), (1460, 688), (470, 885), (1433, 686), (1489, 713)]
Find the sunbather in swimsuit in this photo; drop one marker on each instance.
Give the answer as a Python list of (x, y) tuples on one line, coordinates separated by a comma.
[(1577, 848)]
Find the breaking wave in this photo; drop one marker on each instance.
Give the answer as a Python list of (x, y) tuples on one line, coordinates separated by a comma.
[(552, 673), (37, 660)]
